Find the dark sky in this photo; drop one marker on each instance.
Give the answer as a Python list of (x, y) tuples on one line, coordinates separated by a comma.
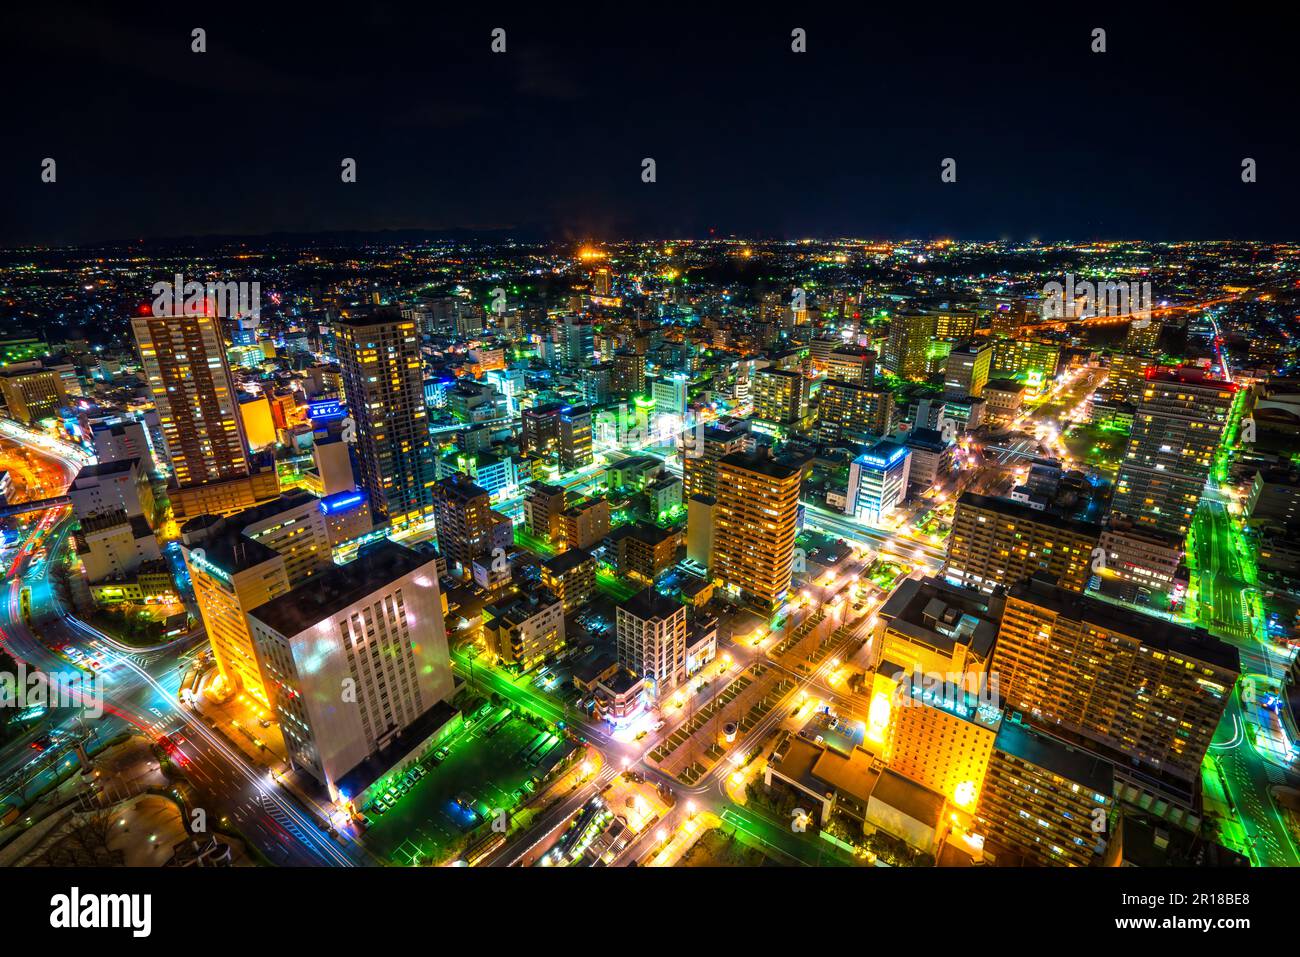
[(1051, 140)]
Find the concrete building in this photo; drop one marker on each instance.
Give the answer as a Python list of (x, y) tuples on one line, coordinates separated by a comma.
[(375, 630), (525, 630), (127, 439), (930, 462), (878, 480), (651, 633), (1041, 801), (995, 541), (967, 369), (32, 392), (1180, 420), (114, 486), (755, 521), (1141, 691), (379, 355), (699, 530), (113, 546), (571, 577)]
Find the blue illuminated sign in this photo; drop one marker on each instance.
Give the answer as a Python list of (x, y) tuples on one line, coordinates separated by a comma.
[(342, 502), (327, 409)]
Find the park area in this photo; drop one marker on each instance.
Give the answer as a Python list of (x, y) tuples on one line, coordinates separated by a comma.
[(495, 762)]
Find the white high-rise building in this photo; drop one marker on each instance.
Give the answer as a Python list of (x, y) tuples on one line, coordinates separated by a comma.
[(359, 659)]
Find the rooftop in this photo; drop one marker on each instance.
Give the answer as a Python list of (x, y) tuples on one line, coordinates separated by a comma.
[(376, 566), (648, 603), (1056, 756), (1196, 643)]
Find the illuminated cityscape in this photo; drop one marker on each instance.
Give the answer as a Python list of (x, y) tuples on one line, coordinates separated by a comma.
[(524, 451)]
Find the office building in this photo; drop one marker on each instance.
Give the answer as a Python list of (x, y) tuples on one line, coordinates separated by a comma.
[(32, 392), (878, 482), (967, 369), (113, 486), (122, 440), (360, 664)]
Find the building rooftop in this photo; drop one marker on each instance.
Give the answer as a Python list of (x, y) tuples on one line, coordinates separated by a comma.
[(916, 801), (943, 615), (648, 603), (762, 466), (1196, 643), (376, 566), (104, 469), (1051, 754), (1021, 512), (567, 561)]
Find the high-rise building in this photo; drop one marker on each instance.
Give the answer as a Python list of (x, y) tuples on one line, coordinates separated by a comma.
[(780, 396), (853, 409), (544, 510), (1126, 378), (995, 541), (184, 360), (1176, 432), (705, 447), (359, 662), (940, 735), (909, 344), (850, 364), (1044, 801), (1142, 338), (122, 440), (379, 354), (1141, 690), (31, 393), (240, 561), (650, 632), (878, 482), (967, 369), (575, 438), (755, 521), (1033, 360), (466, 525)]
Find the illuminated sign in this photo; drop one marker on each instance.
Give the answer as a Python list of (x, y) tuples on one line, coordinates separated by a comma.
[(326, 410), (342, 502)]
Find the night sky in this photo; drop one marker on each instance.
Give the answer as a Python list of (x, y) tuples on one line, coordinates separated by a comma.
[(546, 141)]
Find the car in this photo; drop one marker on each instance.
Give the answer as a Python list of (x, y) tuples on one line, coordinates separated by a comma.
[(658, 725)]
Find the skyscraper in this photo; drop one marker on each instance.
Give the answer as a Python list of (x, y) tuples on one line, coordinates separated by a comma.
[(754, 527), (967, 370), (379, 354), (184, 359), (1179, 423)]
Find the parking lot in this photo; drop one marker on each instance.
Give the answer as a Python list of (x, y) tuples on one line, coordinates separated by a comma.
[(488, 765)]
